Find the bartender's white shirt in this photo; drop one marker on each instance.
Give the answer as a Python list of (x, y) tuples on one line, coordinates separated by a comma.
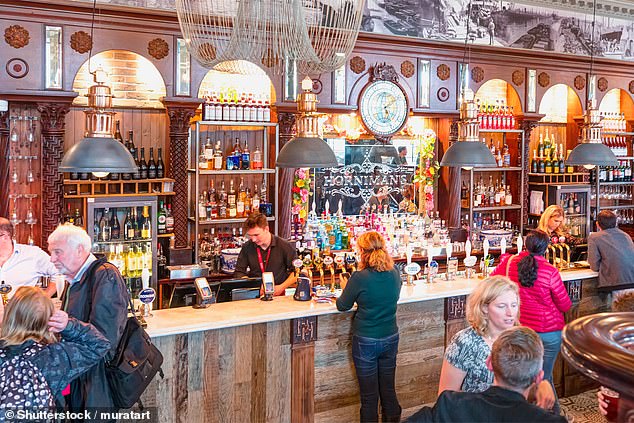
[(25, 266)]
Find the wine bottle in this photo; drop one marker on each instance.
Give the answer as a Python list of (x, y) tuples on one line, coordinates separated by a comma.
[(128, 229), (151, 166), (162, 219), (143, 169), (160, 167), (116, 228)]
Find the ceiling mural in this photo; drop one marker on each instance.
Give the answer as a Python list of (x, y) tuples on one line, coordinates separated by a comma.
[(560, 26)]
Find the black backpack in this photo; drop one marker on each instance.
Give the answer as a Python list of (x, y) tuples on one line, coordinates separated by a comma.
[(135, 362), (22, 384)]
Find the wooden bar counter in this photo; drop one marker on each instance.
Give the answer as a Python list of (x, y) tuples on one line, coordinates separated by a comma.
[(290, 361)]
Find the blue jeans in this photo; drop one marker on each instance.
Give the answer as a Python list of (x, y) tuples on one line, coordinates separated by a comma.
[(552, 345), (375, 363)]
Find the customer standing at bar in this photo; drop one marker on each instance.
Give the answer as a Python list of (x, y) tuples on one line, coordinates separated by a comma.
[(22, 265), (543, 296), (611, 253), (551, 221), (492, 308), (98, 295), (376, 288), (265, 252)]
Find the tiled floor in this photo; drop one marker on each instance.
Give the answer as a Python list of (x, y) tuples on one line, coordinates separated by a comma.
[(582, 408)]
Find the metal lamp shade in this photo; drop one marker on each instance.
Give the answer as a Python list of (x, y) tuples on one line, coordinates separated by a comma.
[(306, 152), (592, 154), (98, 155), (468, 154)]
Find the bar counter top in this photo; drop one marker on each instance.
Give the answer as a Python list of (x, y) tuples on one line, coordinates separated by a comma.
[(230, 314)]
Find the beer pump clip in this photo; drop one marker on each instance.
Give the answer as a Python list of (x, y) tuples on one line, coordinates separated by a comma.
[(146, 295), (412, 268), (486, 260), (297, 264), (5, 289), (469, 260), (432, 265), (520, 243), (503, 246), (328, 264), (452, 263)]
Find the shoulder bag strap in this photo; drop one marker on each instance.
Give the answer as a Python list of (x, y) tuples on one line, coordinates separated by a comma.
[(508, 264)]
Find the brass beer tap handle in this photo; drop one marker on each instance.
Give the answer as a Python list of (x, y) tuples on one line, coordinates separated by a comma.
[(560, 265)]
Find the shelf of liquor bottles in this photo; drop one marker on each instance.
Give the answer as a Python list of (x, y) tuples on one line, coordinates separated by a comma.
[(233, 172), (105, 188), (221, 221), (501, 131), (497, 169), (228, 124), (495, 208)]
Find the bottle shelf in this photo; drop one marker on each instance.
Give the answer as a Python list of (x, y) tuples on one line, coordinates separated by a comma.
[(497, 169), (254, 124), (233, 172), (228, 220), (132, 188), (502, 131), (123, 241), (495, 208), (616, 133), (615, 207), (558, 178), (615, 183)]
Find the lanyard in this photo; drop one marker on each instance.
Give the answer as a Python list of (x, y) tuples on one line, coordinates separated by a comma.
[(265, 264)]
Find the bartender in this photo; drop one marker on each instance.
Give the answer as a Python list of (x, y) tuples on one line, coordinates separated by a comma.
[(552, 222), (265, 252)]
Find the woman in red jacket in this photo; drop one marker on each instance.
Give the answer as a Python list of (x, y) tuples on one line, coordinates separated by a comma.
[(543, 297)]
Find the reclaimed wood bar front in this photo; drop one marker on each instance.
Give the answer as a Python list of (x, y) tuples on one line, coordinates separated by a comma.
[(290, 361)]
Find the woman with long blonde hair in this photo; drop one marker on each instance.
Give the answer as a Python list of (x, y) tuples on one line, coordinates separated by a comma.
[(376, 288), (552, 221), (492, 307), (31, 359)]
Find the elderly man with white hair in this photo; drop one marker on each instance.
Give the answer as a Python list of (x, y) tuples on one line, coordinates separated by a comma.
[(95, 293)]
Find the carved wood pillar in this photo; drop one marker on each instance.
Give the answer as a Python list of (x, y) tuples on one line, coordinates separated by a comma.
[(453, 184), (527, 126), (4, 164), (180, 112), (52, 116), (455, 312), (287, 132), (303, 337)]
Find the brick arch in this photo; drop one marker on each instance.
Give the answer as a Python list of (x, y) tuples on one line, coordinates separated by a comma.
[(134, 80), (257, 73)]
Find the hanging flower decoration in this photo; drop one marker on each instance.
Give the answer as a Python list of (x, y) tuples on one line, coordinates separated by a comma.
[(427, 171), (301, 191)]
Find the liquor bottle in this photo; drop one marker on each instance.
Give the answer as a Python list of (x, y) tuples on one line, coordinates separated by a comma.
[(555, 161), (151, 166), (242, 195), (256, 162), (263, 193), (547, 145), (248, 202), (161, 219), (132, 148), (231, 201), (570, 169), (209, 111), (116, 228), (260, 111), (143, 169), (131, 262), (267, 111), (222, 201), (508, 199), (96, 229), (128, 228), (209, 151), (212, 205), (540, 146), (203, 164), (542, 165), (499, 158), (535, 162), (169, 219), (236, 155), (240, 108), (217, 157), (202, 206), (218, 107), (492, 147), (78, 219), (246, 157), (119, 260), (506, 156), (146, 229), (255, 200), (160, 166), (136, 175), (138, 224)]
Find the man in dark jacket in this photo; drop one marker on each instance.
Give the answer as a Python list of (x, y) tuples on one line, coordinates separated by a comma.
[(611, 253), (96, 293), (516, 359)]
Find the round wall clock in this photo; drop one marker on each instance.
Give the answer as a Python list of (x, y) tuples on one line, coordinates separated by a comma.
[(383, 107)]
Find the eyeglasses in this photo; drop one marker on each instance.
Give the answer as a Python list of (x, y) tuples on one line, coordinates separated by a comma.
[(5, 235)]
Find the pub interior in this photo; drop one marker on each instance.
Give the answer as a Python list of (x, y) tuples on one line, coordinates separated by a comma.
[(522, 84)]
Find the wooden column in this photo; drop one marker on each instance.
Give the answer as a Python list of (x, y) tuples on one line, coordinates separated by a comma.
[(52, 116), (4, 164), (180, 112), (287, 132), (527, 126), (455, 312), (453, 184), (303, 337)]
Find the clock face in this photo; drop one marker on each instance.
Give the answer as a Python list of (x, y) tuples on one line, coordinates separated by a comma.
[(383, 107)]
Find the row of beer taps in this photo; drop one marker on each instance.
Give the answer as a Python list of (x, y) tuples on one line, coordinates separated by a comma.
[(314, 264), (558, 255)]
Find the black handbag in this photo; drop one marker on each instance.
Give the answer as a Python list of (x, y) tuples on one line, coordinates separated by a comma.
[(134, 365)]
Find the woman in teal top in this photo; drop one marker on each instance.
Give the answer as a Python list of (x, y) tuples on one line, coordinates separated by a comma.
[(375, 288)]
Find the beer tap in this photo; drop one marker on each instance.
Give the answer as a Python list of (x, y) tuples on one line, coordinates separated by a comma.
[(307, 262), (318, 262), (328, 263), (351, 261), (5, 289), (551, 258), (559, 264), (567, 248)]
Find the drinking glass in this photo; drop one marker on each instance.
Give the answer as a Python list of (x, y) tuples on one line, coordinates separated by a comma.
[(29, 174)]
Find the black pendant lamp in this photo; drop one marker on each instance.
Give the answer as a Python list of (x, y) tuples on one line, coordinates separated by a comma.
[(306, 149), (98, 152), (468, 152), (591, 151)]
